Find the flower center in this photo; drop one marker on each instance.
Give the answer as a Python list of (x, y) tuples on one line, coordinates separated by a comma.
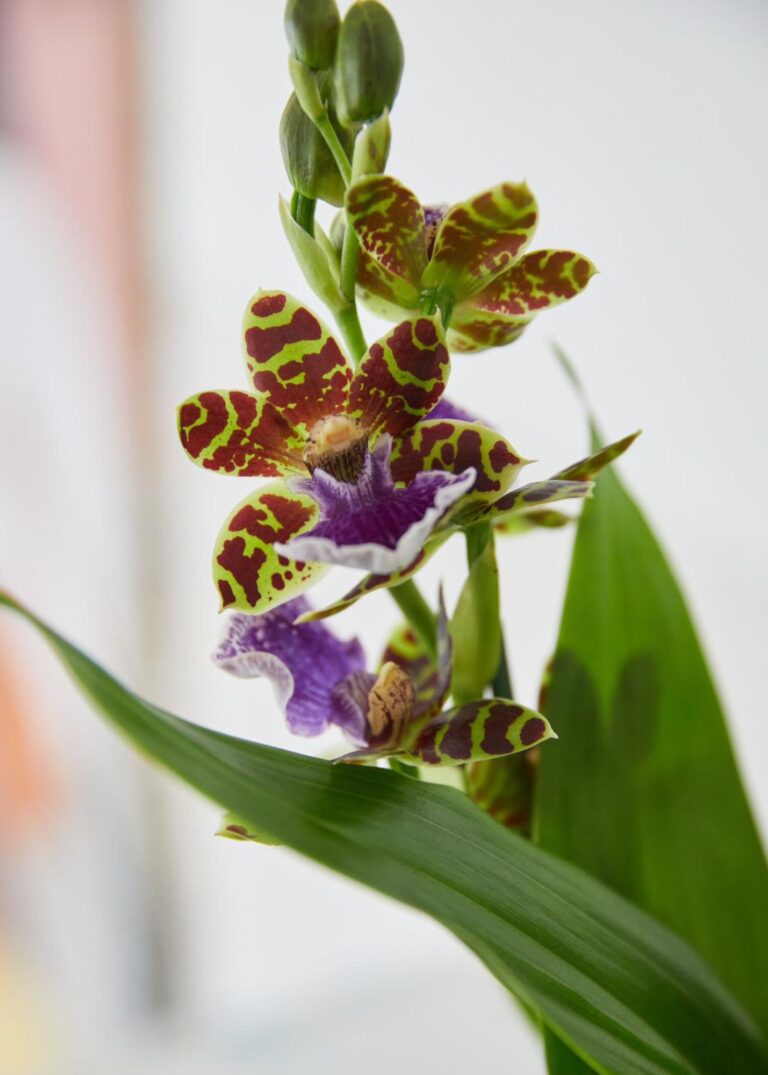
[(390, 705), (338, 445), (433, 217)]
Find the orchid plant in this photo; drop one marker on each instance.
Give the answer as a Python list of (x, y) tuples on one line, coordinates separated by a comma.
[(352, 455)]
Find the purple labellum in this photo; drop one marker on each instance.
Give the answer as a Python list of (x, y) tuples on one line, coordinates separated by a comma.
[(369, 523), (305, 663), (445, 409)]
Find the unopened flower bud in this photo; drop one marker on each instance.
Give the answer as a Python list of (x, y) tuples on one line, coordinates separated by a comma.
[(369, 63), (372, 148), (308, 160), (312, 27)]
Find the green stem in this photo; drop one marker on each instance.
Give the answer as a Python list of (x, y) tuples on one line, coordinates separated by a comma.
[(328, 131), (417, 612), (502, 681), (477, 538), (349, 253), (303, 212), (349, 323)]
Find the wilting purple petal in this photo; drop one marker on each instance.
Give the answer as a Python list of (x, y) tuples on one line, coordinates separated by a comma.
[(350, 705), (305, 663), (369, 523)]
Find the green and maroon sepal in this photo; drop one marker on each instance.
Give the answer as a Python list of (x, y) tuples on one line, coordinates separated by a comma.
[(368, 481), (468, 261)]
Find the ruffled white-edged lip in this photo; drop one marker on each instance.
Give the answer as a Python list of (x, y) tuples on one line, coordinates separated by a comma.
[(372, 557)]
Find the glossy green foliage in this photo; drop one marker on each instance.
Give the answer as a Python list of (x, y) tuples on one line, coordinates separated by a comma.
[(619, 987), (643, 790)]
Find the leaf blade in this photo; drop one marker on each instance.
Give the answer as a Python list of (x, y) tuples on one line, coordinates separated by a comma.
[(611, 980)]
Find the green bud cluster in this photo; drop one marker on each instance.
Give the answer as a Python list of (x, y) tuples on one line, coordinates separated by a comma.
[(312, 27), (345, 74), (368, 64)]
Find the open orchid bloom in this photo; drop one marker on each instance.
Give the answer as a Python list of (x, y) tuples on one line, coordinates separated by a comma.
[(572, 483), (332, 439), (320, 680), (468, 260)]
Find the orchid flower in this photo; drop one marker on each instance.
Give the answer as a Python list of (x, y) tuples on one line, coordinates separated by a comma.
[(468, 260), (320, 680), (333, 439), (574, 482)]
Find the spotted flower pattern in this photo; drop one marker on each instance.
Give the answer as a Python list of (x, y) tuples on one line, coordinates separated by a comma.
[(341, 449), (523, 502), (468, 259), (321, 681)]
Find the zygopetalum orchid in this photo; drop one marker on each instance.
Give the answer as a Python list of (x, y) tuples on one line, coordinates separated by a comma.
[(574, 482), (362, 479), (320, 681), (468, 260)]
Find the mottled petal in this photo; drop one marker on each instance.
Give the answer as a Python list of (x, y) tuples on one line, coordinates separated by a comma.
[(401, 378), (534, 495), (590, 467), (476, 330), (237, 433), (378, 582), (525, 521), (538, 280), (454, 446), (389, 222), (294, 360), (248, 571), (370, 524), (480, 238), (383, 294), (489, 728), (305, 663)]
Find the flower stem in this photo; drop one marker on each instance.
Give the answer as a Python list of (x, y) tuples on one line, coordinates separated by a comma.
[(502, 681), (303, 212), (477, 538), (326, 128), (417, 612), (349, 323), (349, 252)]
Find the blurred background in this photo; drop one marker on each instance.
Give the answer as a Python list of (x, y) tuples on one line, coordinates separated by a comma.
[(139, 172)]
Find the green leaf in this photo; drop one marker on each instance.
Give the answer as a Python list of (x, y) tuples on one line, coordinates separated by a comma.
[(643, 789), (232, 827), (612, 982), (476, 629)]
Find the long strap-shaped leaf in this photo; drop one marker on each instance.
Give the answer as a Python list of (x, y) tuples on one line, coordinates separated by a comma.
[(620, 988)]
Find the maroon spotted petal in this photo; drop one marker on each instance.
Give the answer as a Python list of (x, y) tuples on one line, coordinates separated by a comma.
[(294, 360), (401, 378)]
